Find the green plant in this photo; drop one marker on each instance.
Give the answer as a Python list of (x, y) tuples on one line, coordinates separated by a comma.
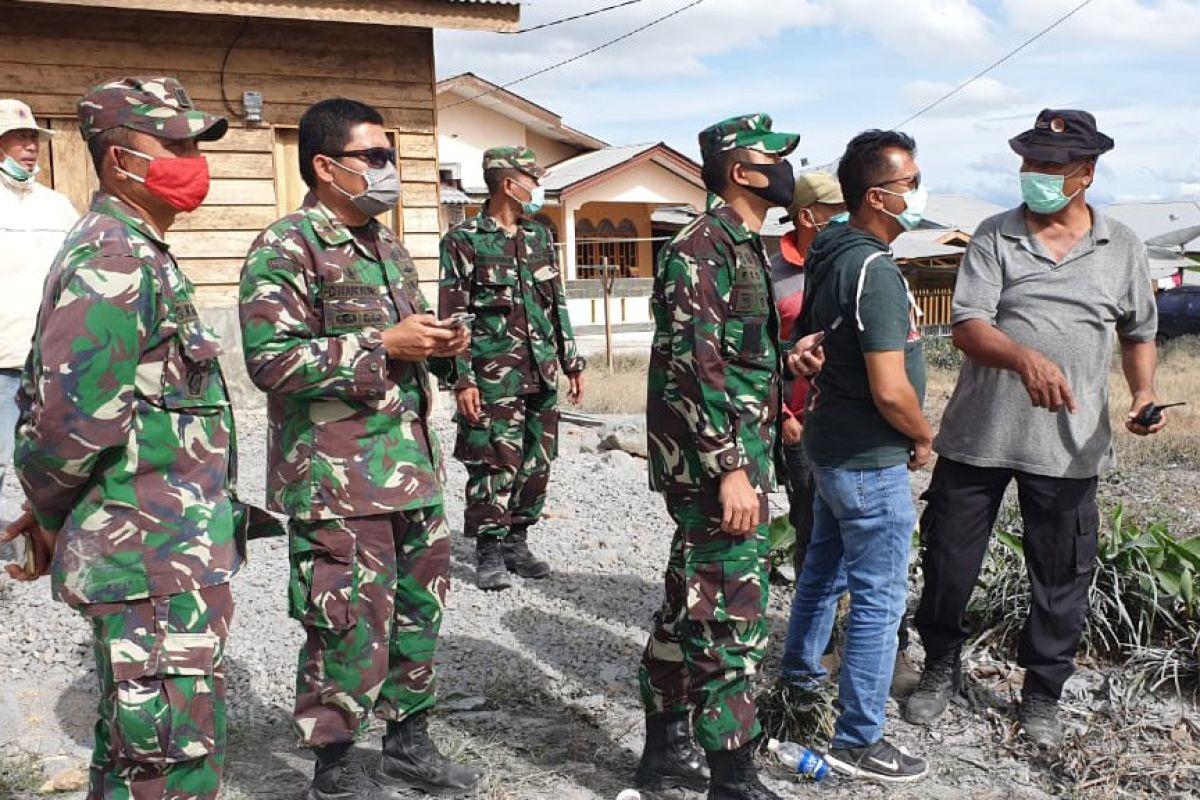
[(940, 353), (1144, 597), (791, 713), (781, 541), (18, 773)]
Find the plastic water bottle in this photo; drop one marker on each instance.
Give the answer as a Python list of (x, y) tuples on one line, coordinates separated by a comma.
[(629, 794), (801, 759)]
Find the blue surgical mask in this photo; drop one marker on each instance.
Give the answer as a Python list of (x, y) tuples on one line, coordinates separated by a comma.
[(536, 201), (1043, 194), (13, 169), (915, 201), (840, 219)]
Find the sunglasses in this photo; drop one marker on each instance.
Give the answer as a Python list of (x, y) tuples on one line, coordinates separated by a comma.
[(376, 157)]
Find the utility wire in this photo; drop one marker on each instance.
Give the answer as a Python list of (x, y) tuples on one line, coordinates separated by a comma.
[(574, 17), (582, 55), (997, 63), (1007, 56)]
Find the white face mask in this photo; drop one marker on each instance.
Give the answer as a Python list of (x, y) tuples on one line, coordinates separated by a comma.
[(382, 192)]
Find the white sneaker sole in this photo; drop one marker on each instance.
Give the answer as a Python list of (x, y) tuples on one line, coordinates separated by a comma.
[(854, 771)]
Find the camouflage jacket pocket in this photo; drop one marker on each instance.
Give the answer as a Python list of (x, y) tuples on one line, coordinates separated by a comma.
[(191, 377), (726, 591), (323, 590), (495, 284), (747, 341), (545, 278), (163, 712)]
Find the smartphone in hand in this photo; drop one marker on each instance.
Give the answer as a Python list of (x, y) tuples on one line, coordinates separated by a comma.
[(457, 320)]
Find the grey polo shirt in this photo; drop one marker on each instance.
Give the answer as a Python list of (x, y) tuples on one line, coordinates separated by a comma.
[(1070, 312)]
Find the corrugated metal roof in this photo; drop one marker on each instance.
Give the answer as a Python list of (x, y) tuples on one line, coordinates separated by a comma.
[(958, 211), (587, 165), (1154, 219)]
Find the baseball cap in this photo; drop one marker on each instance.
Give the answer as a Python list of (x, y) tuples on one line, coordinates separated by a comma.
[(749, 132), (159, 106), (812, 188), (519, 158)]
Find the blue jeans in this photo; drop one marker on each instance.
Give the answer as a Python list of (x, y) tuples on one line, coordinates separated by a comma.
[(862, 532), (8, 420)]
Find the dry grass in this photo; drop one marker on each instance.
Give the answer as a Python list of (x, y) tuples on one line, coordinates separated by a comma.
[(621, 390), (1176, 447)]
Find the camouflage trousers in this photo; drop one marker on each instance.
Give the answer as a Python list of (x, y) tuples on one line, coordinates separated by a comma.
[(369, 592), (508, 455), (711, 633), (161, 727)]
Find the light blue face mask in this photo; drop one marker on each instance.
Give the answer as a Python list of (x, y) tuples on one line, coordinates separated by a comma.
[(13, 169), (1043, 194), (915, 202), (839, 219), (536, 201)]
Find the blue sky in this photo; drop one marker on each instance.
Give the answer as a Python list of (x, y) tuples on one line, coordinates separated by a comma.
[(830, 68)]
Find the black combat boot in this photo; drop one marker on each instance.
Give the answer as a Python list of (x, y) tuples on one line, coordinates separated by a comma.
[(336, 777), (490, 571), (734, 776), (517, 556), (411, 760), (670, 760)]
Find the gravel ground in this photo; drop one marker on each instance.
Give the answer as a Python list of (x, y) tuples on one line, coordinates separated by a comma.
[(538, 683)]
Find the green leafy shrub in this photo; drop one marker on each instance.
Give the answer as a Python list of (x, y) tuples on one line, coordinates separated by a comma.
[(940, 353)]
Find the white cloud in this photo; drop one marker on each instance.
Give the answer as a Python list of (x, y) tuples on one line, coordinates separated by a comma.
[(675, 48), (1160, 24), (985, 94), (934, 30)]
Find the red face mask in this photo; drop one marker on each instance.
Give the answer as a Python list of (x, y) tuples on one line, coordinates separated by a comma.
[(182, 182)]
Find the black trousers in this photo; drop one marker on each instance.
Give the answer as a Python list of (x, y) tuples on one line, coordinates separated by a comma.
[(801, 489), (1061, 524)]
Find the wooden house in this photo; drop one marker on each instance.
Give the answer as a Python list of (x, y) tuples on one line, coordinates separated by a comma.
[(292, 53)]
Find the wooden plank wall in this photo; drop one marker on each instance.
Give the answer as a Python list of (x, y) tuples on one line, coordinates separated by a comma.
[(49, 55)]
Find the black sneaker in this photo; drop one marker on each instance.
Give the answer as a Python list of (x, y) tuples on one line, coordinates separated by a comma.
[(1038, 715), (880, 762)]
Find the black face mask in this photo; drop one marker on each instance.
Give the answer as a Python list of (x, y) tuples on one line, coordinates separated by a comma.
[(781, 182)]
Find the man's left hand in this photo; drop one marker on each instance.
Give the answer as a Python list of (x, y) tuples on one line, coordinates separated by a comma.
[(808, 356), (793, 430), (37, 539), (575, 390), (1140, 401), (456, 346)]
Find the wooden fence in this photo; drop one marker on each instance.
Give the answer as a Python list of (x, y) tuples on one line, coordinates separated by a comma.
[(935, 306)]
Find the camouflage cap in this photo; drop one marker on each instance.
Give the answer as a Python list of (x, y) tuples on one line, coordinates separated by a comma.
[(159, 106), (521, 158), (750, 132)]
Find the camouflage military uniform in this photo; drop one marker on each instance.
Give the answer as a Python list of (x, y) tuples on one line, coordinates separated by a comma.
[(125, 446), (520, 337), (713, 402), (353, 462)]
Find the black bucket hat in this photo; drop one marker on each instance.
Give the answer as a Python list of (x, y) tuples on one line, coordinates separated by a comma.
[(1061, 136)]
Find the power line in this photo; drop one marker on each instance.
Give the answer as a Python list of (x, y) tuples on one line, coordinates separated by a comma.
[(582, 55), (574, 17), (997, 63), (1006, 57)]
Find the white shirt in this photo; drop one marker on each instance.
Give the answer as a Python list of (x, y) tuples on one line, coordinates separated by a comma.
[(34, 221)]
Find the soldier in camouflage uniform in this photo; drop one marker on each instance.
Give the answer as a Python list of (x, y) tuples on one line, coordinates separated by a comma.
[(125, 448), (501, 267), (711, 417), (337, 333)]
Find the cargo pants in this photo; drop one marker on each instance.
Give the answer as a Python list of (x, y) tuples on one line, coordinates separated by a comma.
[(507, 455), (162, 721), (710, 634), (370, 593)]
